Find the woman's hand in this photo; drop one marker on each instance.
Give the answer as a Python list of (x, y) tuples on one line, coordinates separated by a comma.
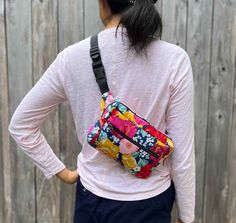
[(68, 176)]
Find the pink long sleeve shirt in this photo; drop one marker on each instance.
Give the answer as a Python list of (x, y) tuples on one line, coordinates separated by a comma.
[(158, 87)]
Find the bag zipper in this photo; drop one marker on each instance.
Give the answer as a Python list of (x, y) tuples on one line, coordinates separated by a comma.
[(165, 134), (132, 141)]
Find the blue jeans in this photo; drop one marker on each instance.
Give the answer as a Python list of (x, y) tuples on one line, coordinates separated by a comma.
[(90, 208)]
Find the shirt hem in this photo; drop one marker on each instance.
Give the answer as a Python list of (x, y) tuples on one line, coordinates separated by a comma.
[(125, 197)]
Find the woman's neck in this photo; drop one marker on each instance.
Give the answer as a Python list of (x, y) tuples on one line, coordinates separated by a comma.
[(112, 22)]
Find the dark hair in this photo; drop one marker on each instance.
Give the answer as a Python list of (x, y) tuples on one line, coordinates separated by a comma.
[(140, 18)]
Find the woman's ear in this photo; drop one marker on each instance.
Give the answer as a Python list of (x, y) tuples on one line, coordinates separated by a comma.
[(104, 11), (102, 3)]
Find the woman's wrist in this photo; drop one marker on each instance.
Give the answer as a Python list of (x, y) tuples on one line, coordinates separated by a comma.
[(68, 176), (62, 173)]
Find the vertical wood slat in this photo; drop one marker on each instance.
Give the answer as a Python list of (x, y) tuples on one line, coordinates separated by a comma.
[(199, 49), (5, 165), (18, 21), (3, 104), (44, 41), (71, 22), (174, 15), (220, 113), (232, 164), (92, 22), (231, 213), (71, 30)]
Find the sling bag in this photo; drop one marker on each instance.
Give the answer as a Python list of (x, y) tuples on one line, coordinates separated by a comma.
[(120, 133)]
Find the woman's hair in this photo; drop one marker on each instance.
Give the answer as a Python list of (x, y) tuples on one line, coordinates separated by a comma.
[(140, 18)]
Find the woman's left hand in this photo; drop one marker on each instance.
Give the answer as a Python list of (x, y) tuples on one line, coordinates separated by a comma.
[(68, 176)]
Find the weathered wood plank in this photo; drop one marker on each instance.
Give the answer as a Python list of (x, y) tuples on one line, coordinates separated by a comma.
[(3, 91), (232, 164), (71, 30), (18, 20), (199, 49), (45, 44), (92, 22), (232, 155), (71, 23), (220, 112), (174, 14), (5, 171)]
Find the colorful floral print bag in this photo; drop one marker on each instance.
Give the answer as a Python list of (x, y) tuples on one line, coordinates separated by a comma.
[(123, 135)]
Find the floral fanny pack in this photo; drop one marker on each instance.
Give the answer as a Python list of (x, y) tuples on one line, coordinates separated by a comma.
[(123, 135)]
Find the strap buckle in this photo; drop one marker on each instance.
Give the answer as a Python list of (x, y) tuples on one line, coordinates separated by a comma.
[(97, 65), (94, 52)]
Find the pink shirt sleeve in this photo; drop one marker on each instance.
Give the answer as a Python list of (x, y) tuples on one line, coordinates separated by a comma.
[(180, 127), (36, 105)]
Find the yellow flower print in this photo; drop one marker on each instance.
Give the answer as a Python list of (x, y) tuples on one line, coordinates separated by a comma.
[(129, 161), (170, 143), (108, 148), (130, 116), (102, 105), (160, 143), (121, 116)]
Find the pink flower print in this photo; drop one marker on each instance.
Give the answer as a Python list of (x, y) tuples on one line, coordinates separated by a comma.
[(126, 147), (118, 123), (139, 121), (130, 130)]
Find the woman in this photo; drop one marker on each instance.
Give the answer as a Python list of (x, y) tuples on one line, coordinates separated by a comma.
[(151, 76)]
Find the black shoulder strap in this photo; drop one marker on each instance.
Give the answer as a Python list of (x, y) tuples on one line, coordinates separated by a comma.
[(98, 67)]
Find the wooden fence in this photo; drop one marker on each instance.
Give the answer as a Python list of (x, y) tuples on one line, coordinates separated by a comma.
[(31, 35)]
